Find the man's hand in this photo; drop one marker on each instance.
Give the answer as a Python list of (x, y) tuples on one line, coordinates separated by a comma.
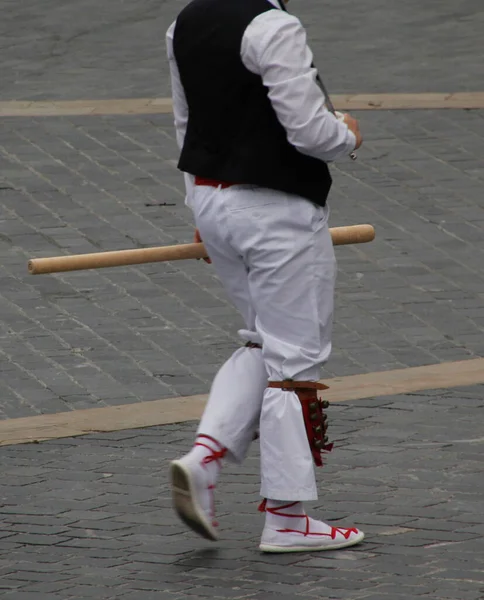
[(354, 127), (197, 239)]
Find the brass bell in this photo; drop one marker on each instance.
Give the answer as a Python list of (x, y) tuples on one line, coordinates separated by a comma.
[(318, 444), (317, 429), (314, 416), (324, 404), (313, 406)]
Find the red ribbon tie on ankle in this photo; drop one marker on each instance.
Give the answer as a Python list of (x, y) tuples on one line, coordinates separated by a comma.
[(276, 511)]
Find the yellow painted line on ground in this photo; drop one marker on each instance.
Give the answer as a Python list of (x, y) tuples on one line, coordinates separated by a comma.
[(189, 408), (57, 108), (146, 106), (459, 100), (91, 420), (405, 381)]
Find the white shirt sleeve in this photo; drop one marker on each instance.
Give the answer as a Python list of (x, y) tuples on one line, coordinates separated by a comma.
[(180, 107), (274, 46)]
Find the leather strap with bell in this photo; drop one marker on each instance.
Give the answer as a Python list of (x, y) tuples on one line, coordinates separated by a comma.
[(315, 420)]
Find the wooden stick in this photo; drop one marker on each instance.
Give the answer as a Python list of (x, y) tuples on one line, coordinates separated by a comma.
[(352, 234)]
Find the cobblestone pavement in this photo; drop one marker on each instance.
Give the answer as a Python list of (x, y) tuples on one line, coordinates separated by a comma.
[(414, 296), (91, 49), (90, 517)]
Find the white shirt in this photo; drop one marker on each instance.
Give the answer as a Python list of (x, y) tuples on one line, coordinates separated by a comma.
[(274, 46)]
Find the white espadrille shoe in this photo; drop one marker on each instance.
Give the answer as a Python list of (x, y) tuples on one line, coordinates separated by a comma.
[(296, 532), (193, 485)]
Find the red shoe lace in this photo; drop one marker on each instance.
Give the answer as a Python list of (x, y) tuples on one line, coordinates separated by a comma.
[(214, 455), (276, 511)]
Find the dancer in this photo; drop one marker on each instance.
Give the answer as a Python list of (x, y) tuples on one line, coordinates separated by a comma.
[(255, 137)]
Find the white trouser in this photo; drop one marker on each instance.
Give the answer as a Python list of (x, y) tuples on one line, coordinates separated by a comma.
[(274, 256)]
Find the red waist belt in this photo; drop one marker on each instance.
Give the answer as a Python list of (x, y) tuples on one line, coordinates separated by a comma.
[(213, 182)]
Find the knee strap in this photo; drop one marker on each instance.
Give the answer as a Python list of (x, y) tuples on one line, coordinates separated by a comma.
[(315, 420)]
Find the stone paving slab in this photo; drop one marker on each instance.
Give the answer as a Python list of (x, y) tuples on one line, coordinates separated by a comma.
[(152, 106), (368, 386), (91, 517), (414, 296), (78, 50)]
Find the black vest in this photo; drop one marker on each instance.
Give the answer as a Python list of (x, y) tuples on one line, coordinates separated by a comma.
[(233, 133)]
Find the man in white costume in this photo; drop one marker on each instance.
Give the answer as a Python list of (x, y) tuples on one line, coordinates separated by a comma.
[(255, 137)]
